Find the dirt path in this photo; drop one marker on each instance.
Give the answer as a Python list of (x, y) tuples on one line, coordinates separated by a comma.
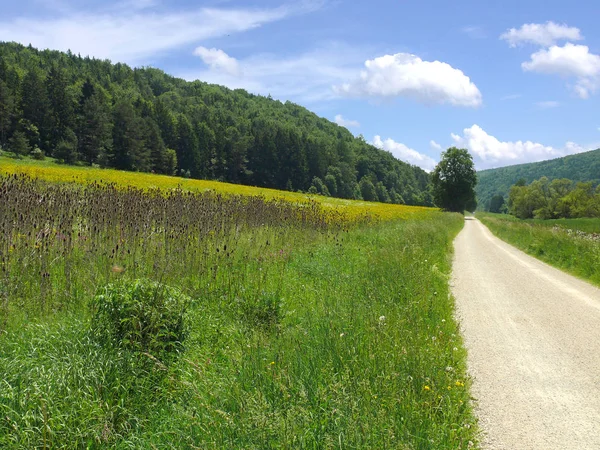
[(533, 336)]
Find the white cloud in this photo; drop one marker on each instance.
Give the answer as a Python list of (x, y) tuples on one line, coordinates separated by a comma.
[(307, 77), (474, 32), (405, 153), (345, 122), (548, 104), (489, 152), (568, 61), (434, 145), (134, 34), (543, 35), (218, 60), (409, 76)]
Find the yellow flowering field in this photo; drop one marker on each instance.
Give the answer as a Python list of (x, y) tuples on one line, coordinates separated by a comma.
[(50, 171)]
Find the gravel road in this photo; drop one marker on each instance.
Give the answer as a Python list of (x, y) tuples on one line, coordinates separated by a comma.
[(533, 337)]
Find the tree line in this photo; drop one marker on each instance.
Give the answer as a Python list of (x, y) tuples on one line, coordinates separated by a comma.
[(90, 111), (556, 199), (578, 167)]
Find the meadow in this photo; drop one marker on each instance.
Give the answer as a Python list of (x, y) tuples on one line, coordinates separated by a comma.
[(569, 244), (140, 311), (48, 170)]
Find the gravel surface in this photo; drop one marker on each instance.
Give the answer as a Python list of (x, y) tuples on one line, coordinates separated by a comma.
[(533, 337)]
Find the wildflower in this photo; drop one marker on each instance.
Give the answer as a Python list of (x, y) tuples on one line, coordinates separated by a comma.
[(449, 369), (342, 335), (382, 318), (272, 363), (426, 388), (459, 383)]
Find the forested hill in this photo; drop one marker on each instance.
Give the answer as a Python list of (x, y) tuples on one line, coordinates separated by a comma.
[(579, 167), (90, 111)]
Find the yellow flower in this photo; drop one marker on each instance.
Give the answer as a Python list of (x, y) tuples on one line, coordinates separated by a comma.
[(459, 383), (426, 388)]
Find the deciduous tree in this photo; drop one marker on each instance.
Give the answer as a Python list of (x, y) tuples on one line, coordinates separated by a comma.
[(454, 180)]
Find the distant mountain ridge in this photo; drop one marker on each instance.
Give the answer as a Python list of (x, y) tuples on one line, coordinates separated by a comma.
[(579, 167)]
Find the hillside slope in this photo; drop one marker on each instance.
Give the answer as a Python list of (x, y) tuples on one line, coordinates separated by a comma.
[(580, 167), (84, 110)]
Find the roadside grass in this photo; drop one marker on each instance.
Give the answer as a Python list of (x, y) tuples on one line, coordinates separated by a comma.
[(305, 328), (569, 244)]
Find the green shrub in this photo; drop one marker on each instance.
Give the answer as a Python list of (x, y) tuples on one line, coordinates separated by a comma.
[(38, 154), (142, 316)]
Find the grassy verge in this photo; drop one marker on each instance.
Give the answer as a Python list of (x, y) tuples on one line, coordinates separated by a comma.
[(569, 244), (303, 330)]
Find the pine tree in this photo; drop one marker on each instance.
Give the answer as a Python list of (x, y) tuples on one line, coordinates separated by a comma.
[(206, 149), (166, 123), (188, 157), (129, 150), (36, 107), (7, 104), (95, 130), (61, 104), (19, 144), (156, 147)]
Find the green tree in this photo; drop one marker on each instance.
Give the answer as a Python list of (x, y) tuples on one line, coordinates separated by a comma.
[(206, 149), (170, 162), (581, 201), (496, 203), (7, 104), (331, 184), (130, 152), (367, 190), (95, 130), (188, 155), (454, 180), (156, 147), (36, 107), (66, 149), (19, 144), (319, 187), (31, 132), (382, 193), (62, 106)]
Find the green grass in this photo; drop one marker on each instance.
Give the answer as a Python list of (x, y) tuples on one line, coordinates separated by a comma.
[(298, 335), (568, 244)]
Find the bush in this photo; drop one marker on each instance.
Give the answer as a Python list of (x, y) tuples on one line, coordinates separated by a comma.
[(37, 154), (142, 316)]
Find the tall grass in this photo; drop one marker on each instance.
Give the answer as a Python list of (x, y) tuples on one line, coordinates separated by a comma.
[(304, 329), (569, 244)]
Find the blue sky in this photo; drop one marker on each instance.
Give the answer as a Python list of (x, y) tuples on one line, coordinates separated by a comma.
[(512, 81)]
